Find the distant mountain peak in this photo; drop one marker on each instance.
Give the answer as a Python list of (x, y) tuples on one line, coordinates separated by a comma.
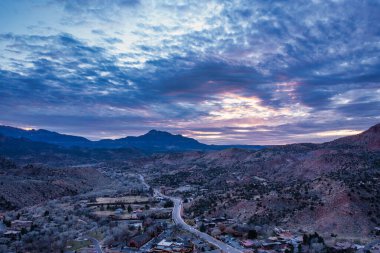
[(157, 132), (374, 129), (154, 140)]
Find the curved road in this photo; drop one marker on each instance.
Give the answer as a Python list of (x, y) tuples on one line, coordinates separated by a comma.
[(96, 243), (177, 218)]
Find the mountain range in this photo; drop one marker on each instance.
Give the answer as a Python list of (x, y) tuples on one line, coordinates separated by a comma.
[(152, 141), (332, 188)]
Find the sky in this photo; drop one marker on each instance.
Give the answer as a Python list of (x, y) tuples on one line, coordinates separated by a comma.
[(223, 72)]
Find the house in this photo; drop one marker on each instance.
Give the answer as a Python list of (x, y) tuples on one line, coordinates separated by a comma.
[(219, 219), (119, 211), (271, 245), (139, 240), (211, 225), (343, 247), (136, 225), (21, 224), (12, 234), (173, 246), (286, 235), (250, 243)]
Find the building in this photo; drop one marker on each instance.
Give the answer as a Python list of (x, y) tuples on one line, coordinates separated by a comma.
[(21, 224), (119, 211), (250, 243), (171, 246), (12, 234)]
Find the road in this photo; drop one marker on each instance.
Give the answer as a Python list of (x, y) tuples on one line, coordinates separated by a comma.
[(142, 179), (96, 245), (177, 218)]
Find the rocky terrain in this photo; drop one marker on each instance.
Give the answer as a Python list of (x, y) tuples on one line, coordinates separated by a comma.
[(332, 188)]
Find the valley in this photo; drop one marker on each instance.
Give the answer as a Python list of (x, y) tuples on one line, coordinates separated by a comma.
[(291, 198)]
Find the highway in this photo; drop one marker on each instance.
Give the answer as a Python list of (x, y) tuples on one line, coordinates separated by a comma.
[(177, 218)]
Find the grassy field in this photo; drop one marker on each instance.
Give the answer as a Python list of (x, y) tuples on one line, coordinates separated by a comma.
[(96, 234), (77, 245), (127, 200)]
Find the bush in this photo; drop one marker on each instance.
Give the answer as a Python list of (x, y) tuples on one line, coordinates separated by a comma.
[(130, 209), (252, 234), (202, 228), (168, 203)]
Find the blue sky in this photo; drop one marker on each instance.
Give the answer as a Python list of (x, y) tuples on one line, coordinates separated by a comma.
[(248, 72)]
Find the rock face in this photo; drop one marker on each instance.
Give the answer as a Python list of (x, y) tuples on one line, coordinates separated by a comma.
[(332, 187)]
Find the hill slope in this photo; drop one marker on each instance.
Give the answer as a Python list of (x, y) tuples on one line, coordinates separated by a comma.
[(25, 151), (30, 185), (332, 187)]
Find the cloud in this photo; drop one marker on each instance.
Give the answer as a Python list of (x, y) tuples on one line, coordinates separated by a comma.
[(249, 71)]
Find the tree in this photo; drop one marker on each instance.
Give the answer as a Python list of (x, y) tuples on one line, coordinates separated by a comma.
[(24, 231), (252, 234), (130, 209), (7, 223), (168, 203), (147, 207), (305, 239), (202, 228)]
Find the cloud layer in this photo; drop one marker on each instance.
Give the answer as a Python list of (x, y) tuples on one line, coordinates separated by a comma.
[(223, 72)]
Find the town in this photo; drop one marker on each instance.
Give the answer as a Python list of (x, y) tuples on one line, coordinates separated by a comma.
[(139, 218)]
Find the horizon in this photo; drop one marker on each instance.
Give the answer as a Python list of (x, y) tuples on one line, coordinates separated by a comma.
[(345, 133), (239, 72)]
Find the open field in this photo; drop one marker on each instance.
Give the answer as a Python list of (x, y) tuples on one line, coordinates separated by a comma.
[(126, 200)]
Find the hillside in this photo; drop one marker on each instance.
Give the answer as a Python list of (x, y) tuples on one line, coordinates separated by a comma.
[(332, 187), (29, 185), (25, 151), (369, 139)]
